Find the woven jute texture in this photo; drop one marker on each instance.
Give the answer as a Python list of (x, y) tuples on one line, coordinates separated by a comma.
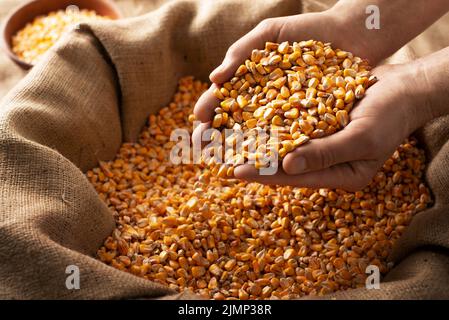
[(93, 91)]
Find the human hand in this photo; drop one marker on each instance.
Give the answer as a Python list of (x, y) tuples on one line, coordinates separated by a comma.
[(349, 159), (323, 26), (344, 25)]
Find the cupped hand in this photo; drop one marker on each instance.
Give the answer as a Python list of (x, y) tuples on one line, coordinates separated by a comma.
[(379, 123), (324, 26), (350, 158)]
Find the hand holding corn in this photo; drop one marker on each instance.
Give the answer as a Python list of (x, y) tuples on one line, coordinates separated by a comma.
[(347, 159)]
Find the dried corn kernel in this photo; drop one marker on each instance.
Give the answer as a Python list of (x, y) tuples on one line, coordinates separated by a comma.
[(292, 84), (181, 226), (38, 36)]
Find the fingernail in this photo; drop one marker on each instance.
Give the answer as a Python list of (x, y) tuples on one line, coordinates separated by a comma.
[(237, 171), (299, 165)]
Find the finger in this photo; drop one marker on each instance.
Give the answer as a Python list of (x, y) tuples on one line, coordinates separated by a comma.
[(348, 176), (206, 104), (380, 72), (241, 50), (343, 146)]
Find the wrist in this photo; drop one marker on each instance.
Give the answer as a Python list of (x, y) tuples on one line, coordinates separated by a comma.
[(347, 26), (417, 94), (349, 19)]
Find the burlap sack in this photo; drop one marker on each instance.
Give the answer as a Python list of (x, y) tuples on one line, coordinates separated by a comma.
[(95, 90)]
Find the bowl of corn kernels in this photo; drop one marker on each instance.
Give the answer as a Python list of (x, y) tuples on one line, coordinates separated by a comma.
[(32, 29)]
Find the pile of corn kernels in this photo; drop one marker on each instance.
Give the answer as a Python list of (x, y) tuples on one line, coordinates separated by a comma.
[(300, 91), (38, 36), (185, 228)]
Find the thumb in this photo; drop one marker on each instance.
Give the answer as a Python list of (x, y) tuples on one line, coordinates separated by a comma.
[(343, 146), (242, 48)]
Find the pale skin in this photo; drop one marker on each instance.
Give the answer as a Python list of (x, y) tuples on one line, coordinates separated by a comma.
[(405, 98)]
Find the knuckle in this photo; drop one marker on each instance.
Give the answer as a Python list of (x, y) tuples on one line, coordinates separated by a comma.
[(265, 24), (325, 159), (232, 51)]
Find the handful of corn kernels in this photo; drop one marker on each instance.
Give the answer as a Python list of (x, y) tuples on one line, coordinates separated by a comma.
[(183, 227), (293, 93)]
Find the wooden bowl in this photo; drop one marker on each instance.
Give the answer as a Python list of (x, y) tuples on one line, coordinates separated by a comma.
[(30, 10)]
